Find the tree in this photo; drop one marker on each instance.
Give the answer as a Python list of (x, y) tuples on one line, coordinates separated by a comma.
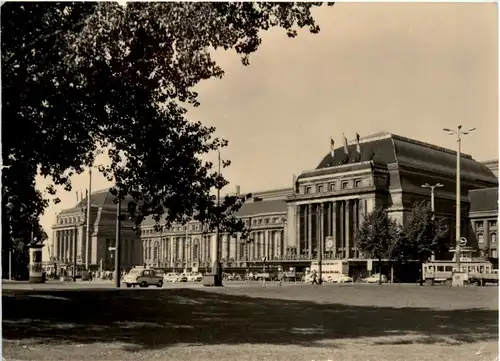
[(376, 235), (423, 235), (79, 78)]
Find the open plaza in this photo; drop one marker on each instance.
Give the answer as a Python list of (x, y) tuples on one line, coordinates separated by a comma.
[(251, 322)]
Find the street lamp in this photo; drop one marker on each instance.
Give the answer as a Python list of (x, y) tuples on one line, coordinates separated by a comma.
[(437, 185), (216, 268), (458, 133)]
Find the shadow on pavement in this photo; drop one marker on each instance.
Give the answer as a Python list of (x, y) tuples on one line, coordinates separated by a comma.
[(158, 319)]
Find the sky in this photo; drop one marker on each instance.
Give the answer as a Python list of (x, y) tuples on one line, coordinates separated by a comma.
[(406, 68)]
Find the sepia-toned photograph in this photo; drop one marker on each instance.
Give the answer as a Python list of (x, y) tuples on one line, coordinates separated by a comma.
[(258, 181)]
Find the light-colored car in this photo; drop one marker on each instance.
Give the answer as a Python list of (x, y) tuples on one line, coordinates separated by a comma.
[(194, 277), (143, 278), (337, 278), (375, 278), (174, 277)]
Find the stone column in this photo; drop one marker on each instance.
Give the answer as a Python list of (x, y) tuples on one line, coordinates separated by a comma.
[(57, 247), (224, 246), (334, 228), (232, 247), (297, 221), (321, 235), (70, 245), (279, 244), (293, 224), (202, 248), (63, 246), (265, 243), (348, 229), (309, 229), (355, 225), (341, 224)]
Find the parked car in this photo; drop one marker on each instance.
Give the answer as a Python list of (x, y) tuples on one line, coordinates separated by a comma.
[(375, 278), (174, 277), (337, 278), (194, 277), (142, 278)]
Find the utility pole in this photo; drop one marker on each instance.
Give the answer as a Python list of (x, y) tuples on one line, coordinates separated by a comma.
[(216, 269), (459, 134), (117, 245), (87, 236), (437, 185), (75, 244), (320, 237)]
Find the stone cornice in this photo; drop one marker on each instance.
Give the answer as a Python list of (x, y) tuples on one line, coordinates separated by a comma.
[(340, 193), (343, 168)]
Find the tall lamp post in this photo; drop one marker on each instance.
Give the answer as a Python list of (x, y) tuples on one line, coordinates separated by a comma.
[(87, 215), (458, 133), (437, 185), (216, 268)]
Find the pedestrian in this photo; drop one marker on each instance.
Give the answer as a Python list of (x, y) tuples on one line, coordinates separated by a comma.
[(280, 278), (315, 280)]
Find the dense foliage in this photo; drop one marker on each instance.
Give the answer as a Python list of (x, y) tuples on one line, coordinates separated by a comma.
[(380, 237), (79, 78), (423, 236), (377, 234)]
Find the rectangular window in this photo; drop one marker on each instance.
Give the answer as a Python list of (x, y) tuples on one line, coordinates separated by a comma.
[(344, 185), (307, 190), (440, 268), (493, 238), (493, 224), (358, 183), (480, 238), (448, 268), (320, 188), (331, 187), (479, 225)]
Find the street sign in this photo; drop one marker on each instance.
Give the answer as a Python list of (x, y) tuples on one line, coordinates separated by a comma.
[(463, 241), (111, 248), (369, 265)]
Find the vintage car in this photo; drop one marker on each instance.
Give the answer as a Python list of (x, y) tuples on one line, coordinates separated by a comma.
[(143, 277)]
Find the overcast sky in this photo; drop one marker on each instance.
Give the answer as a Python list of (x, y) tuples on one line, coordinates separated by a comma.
[(406, 68)]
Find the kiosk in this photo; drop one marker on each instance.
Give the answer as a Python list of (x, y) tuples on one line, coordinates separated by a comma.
[(37, 275)]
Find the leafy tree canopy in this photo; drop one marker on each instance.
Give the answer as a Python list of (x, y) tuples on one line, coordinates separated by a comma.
[(377, 234), (79, 77), (423, 235)]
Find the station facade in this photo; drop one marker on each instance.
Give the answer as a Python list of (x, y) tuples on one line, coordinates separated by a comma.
[(326, 204)]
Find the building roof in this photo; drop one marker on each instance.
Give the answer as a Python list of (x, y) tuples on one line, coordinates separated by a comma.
[(483, 200), (262, 207), (271, 201), (386, 148), (98, 199)]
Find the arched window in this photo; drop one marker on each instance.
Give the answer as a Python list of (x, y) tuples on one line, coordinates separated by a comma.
[(493, 238)]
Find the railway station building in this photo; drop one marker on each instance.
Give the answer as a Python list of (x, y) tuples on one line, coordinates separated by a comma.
[(325, 204)]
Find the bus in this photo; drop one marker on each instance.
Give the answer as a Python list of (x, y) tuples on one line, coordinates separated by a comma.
[(332, 270)]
